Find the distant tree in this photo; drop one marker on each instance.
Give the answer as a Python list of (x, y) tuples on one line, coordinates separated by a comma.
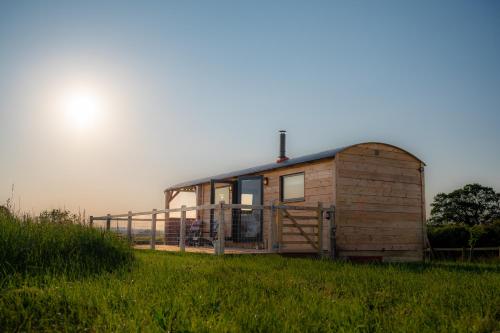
[(473, 204), (58, 216)]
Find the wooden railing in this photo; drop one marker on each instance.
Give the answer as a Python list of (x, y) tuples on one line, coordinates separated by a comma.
[(280, 213)]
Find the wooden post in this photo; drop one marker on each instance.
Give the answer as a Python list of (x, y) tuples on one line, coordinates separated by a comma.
[(129, 226), (220, 230), (320, 229), (333, 227), (182, 231), (91, 221), (199, 200), (167, 217), (153, 230), (279, 212), (425, 238), (108, 222), (270, 238)]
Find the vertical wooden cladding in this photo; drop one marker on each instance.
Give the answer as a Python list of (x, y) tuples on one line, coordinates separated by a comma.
[(379, 202)]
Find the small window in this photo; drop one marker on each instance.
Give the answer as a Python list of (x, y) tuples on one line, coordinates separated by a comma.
[(223, 194), (292, 187)]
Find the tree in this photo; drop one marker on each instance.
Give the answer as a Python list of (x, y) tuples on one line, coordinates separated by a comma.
[(472, 205)]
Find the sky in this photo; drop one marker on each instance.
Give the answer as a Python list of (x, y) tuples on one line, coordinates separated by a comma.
[(187, 89)]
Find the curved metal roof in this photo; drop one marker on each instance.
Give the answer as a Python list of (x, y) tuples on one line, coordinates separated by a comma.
[(271, 166)]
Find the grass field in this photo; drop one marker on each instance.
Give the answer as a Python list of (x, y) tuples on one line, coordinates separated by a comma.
[(194, 292)]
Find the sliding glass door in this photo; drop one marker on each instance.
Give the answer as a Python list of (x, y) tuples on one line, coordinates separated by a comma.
[(248, 226)]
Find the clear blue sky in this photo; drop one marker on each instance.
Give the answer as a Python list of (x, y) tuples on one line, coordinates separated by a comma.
[(194, 88)]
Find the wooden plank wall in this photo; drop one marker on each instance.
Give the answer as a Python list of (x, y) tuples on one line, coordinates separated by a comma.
[(318, 188), (379, 198)]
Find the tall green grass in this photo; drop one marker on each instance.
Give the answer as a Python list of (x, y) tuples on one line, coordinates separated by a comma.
[(38, 248), (204, 293)]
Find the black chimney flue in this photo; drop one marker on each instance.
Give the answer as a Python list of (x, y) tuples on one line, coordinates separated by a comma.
[(282, 157)]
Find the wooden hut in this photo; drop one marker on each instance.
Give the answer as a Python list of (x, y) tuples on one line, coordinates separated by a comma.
[(377, 191)]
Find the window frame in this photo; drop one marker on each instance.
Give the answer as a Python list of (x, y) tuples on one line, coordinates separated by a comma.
[(213, 183), (260, 236), (282, 187)]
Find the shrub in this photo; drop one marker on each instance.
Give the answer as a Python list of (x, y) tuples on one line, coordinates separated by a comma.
[(4, 211), (450, 235), (58, 216), (490, 236), (30, 247), (459, 235)]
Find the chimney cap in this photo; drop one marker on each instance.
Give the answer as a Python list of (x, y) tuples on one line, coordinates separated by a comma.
[(282, 156)]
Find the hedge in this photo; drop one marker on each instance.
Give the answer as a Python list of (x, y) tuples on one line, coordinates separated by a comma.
[(458, 235)]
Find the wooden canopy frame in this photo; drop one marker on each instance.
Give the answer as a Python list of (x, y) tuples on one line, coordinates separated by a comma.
[(169, 196)]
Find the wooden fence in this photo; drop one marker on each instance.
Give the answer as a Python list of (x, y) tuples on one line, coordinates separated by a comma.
[(304, 227), (461, 252)]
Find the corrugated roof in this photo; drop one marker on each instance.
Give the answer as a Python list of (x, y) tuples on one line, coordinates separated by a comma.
[(271, 166), (266, 167)]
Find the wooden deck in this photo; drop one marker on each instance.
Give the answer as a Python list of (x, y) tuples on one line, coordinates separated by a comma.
[(206, 250)]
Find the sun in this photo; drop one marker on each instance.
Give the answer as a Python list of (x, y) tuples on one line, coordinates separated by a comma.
[(81, 108)]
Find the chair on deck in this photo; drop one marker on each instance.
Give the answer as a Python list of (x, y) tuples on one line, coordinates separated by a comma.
[(215, 230), (194, 233)]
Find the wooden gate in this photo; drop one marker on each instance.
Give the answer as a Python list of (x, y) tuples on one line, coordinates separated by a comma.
[(300, 229)]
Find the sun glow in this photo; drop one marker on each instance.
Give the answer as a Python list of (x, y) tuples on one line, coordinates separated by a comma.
[(82, 108)]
